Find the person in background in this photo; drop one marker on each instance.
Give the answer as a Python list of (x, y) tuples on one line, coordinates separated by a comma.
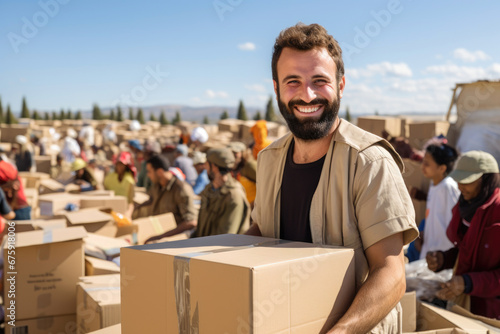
[(169, 194), (259, 132), (14, 191), (238, 149), (329, 182), (136, 148), (5, 209), (443, 194), (35, 141), (224, 207), (185, 163), (71, 149), (244, 170), (122, 180), (199, 163), (151, 149), (474, 230), (83, 176), (199, 136), (24, 155)]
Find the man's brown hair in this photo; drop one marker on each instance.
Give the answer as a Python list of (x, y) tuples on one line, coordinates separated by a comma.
[(307, 37)]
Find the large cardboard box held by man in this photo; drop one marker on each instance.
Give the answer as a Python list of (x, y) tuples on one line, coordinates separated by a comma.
[(234, 284), (98, 302), (47, 266)]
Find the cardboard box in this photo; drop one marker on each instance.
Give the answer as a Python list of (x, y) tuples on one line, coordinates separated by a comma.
[(140, 197), (435, 320), (52, 204), (98, 303), (116, 203), (377, 124), (33, 179), (9, 132), (421, 132), (91, 219), (414, 178), (43, 164), (31, 197), (63, 324), (116, 329), (103, 247), (234, 284), (47, 267), (95, 266), (50, 186), (155, 225), (409, 306), (492, 324)]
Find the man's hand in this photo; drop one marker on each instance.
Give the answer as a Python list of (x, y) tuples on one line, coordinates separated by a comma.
[(150, 240), (451, 289), (434, 260)]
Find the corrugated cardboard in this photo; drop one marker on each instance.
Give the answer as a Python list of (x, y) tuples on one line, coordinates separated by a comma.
[(431, 319), (31, 197), (33, 179), (377, 124), (63, 324), (155, 225), (95, 266), (140, 197), (488, 321), (49, 186), (103, 247), (9, 132), (234, 284), (116, 329), (409, 306), (98, 303), (52, 204), (92, 220), (43, 163), (116, 203), (421, 132), (47, 267), (413, 177)]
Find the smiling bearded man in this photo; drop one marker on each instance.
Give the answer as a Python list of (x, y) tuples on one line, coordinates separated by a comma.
[(330, 182)]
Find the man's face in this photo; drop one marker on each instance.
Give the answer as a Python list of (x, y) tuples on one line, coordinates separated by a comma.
[(151, 173), (307, 91)]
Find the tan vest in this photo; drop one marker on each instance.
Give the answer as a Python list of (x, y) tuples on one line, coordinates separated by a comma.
[(360, 198)]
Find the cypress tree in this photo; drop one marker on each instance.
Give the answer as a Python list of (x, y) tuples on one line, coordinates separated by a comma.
[(163, 118), (224, 115), (78, 115), (10, 118), (270, 115), (131, 114), (54, 116), (152, 118), (69, 114), (1, 111), (47, 116), (96, 112), (257, 116), (25, 113), (62, 115), (140, 116), (206, 120), (177, 118), (347, 114), (242, 112), (112, 115), (35, 115), (119, 114)]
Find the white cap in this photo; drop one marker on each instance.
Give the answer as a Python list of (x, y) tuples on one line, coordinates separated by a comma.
[(72, 133), (21, 140), (199, 158), (199, 134), (135, 125)]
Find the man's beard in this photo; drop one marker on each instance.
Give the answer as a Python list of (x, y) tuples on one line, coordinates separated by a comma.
[(310, 129)]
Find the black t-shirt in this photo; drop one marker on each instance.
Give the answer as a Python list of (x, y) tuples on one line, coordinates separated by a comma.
[(297, 189)]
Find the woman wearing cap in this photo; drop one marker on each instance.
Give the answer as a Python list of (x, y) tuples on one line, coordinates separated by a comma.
[(24, 157), (122, 180), (83, 176), (475, 231)]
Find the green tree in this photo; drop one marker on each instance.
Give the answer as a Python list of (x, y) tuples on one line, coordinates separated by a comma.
[(54, 116), (376, 113), (10, 118), (242, 112), (1, 111), (224, 115), (206, 120), (163, 118), (131, 114), (69, 114), (35, 115), (119, 114), (140, 116), (257, 116), (96, 112), (270, 115), (62, 115), (177, 118), (112, 114), (47, 116), (78, 115), (347, 114), (25, 113), (152, 117)]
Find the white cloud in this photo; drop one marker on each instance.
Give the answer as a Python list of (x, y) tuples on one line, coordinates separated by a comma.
[(248, 46), (470, 56), (384, 69), (256, 88), (212, 94)]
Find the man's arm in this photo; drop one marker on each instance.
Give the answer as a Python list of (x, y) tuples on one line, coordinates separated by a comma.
[(184, 226), (381, 291), (254, 230)]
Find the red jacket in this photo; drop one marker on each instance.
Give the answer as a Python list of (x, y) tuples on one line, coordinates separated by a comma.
[(479, 255)]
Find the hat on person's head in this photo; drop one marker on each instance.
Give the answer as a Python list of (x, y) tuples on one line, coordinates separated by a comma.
[(221, 157), (237, 146), (71, 133), (21, 140), (135, 144), (177, 173), (78, 164), (199, 158), (472, 165), (199, 134), (182, 149)]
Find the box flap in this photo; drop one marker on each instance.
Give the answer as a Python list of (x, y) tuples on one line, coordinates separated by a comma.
[(87, 216), (442, 318), (488, 321), (33, 238), (52, 185)]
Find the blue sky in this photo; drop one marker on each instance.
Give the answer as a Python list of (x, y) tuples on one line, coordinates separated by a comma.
[(400, 55)]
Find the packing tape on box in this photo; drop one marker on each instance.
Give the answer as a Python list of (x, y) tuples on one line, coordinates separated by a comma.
[(182, 284), (47, 236), (155, 223)]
